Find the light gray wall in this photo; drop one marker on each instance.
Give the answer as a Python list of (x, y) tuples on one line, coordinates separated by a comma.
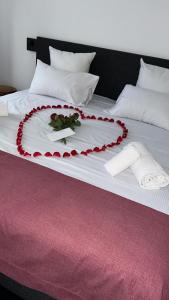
[(131, 25), (6, 8)]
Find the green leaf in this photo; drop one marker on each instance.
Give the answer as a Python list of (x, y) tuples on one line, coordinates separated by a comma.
[(78, 123), (63, 141)]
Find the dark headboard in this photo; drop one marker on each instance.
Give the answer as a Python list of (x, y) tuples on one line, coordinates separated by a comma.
[(115, 68)]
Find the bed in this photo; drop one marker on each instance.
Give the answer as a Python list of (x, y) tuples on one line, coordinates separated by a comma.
[(146, 216)]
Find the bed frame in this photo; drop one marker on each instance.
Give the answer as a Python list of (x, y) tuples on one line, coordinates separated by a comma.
[(116, 69)]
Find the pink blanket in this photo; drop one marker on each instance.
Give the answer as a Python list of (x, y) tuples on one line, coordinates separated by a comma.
[(74, 241)]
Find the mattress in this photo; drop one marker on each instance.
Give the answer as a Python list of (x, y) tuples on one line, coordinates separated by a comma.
[(89, 169)]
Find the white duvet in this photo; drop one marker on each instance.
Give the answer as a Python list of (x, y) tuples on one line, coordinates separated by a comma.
[(92, 133)]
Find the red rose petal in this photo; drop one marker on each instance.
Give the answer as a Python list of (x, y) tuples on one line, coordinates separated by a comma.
[(74, 152), (18, 142), (119, 140), (19, 148), (57, 154), (110, 145), (104, 148), (89, 151), (113, 144), (48, 154), (19, 134), (43, 107), (66, 154), (83, 153), (22, 152), (96, 149), (26, 154), (36, 154)]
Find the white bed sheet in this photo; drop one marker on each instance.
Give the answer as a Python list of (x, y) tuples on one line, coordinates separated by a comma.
[(93, 133)]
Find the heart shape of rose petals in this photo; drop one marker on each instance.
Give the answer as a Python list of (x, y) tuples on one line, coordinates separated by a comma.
[(74, 152)]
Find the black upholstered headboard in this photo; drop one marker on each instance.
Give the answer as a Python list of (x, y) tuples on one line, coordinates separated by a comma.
[(115, 68)]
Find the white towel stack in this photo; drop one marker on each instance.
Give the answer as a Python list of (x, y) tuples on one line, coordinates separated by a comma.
[(148, 172)]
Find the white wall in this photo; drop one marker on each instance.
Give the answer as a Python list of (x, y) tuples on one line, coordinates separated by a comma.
[(137, 26), (5, 40)]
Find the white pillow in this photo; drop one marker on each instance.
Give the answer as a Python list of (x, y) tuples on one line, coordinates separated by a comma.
[(75, 88), (69, 61), (153, 78), (143, 105)]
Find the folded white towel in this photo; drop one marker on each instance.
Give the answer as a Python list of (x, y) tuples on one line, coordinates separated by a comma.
[(3, 109), (122, 160), (148, 172)]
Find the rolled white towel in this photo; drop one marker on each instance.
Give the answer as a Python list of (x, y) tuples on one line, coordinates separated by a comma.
[(124, 159), (148, 172)]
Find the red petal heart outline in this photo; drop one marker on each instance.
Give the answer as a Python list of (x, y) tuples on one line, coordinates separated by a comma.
[(74, 152)]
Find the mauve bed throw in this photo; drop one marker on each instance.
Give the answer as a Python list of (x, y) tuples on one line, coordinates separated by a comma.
[(74, 241)]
